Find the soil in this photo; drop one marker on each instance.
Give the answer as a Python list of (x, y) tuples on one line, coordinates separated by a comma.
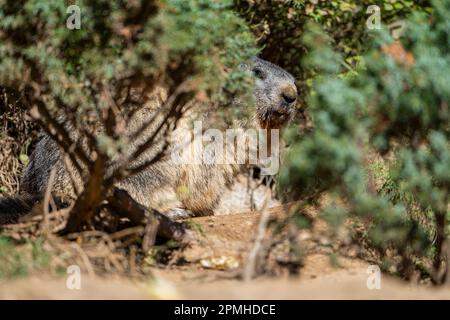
[(213, 266)]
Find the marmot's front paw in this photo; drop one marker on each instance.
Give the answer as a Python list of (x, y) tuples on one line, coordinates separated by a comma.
[(178, 213)]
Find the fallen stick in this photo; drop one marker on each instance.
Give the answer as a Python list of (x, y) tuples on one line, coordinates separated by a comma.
[(250, 268), (125, 206)]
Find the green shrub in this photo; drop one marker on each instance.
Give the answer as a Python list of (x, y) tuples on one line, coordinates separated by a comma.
[(399, 94), (280, 25)]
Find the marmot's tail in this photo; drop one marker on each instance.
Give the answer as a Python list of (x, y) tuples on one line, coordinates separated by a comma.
[(12, 208)]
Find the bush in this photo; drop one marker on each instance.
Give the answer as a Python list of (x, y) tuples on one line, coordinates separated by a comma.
[(73, 80), (399, 94), (280, 25)]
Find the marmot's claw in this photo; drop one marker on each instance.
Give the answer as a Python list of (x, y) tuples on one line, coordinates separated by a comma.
[(178, 213)]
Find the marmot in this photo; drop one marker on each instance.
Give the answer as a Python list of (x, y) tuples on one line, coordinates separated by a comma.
[(171, 188)]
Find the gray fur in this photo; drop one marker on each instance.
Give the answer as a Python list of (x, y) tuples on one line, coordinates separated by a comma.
[(272, 86)]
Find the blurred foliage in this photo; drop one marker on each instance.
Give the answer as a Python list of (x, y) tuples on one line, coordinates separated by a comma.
[(158, 41), (280, 25), (399, 94), (18, 261)]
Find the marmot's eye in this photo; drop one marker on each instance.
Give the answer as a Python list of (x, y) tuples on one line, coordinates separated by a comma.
[(258, 73)]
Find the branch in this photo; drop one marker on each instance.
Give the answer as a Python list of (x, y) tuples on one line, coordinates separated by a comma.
[(175, 111), (61, 135), (125, 206), (87, 204), (250, 267), (61, 143)]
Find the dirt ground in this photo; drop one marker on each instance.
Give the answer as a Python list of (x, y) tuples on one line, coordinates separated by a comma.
[(212, 267)]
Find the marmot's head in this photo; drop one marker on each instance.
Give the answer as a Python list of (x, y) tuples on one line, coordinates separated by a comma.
[(275, 94)]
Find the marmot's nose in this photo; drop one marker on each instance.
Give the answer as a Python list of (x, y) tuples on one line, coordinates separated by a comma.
[(289, 94)]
